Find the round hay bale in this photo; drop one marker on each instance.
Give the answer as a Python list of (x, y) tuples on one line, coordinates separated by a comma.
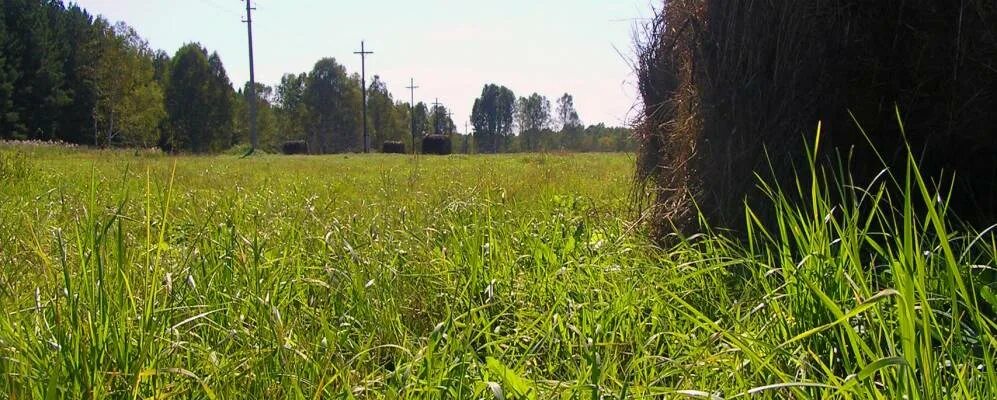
[(393, 147), (734, 88), (437, 144), (293, 147)]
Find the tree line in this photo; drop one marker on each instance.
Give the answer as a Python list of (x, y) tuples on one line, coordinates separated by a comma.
[(502, 122), (67, 75)]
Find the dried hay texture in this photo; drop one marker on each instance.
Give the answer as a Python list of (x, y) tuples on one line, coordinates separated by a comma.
[(437, 145), (294, 147), (393, 147), (734, 88)]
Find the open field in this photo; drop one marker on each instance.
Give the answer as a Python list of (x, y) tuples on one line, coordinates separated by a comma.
[(518, 276)]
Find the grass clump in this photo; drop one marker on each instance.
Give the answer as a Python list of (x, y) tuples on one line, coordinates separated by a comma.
[(473, 277), (14, 166)]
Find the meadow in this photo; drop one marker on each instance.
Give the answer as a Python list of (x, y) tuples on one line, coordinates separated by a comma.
[(138, 275)]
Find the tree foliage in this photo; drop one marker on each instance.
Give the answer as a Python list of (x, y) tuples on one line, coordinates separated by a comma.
[(420, 119), (289, 100), (492, 117), (533, 117), (129, 100), (386, 120), (442, 123), (331, 98), (266, 117), (198, 102), (71, 76), (84, 37), (567, 116), (35, 44)]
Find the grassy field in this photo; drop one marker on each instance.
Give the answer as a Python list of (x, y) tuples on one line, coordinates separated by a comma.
[(127, 275)]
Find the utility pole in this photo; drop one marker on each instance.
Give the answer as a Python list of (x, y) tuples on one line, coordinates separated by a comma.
[(467, 135), (253, 140), (363, 81), (450, 116), (436, 116), (411, 109)]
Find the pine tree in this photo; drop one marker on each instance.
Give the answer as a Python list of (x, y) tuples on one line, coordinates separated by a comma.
[(8, 75), (188, 103), (82, 35)]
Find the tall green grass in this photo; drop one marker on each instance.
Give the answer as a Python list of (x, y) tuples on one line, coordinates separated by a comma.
[(473, 277)]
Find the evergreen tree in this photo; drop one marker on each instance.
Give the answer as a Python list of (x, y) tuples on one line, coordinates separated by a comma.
[(35, 50), (8, 75), (222, 97), (83, 38), (161, 65), (198, 103)]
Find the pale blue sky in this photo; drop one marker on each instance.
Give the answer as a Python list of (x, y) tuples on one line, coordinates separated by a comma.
[(451, 47)]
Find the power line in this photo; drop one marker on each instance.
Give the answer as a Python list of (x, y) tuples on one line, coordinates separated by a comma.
[(218, 7), (363, 81)]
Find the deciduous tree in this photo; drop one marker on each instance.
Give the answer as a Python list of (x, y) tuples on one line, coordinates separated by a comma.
[(382, 113), (333, 100), (492, 117), (533, 117), (129, 103)]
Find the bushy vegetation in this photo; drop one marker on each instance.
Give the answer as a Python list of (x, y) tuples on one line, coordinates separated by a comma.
[(487, 277)]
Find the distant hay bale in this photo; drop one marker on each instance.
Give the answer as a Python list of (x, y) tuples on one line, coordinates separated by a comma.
[(732, 88), (294, 147), (392, 147), (437, 144)]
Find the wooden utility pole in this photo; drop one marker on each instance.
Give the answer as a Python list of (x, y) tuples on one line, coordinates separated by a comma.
[(436, 116), (251, 93), (467, 135), (450, 117), (411, 109), (363, 81)]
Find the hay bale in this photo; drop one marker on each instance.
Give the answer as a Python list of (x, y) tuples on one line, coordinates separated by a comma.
[(437, 144), (724, 81), (393, 147), (294, 147)]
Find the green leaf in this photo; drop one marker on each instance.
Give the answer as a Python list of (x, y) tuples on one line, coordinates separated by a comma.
[(871, 369), (988, 295), (519, 386)]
